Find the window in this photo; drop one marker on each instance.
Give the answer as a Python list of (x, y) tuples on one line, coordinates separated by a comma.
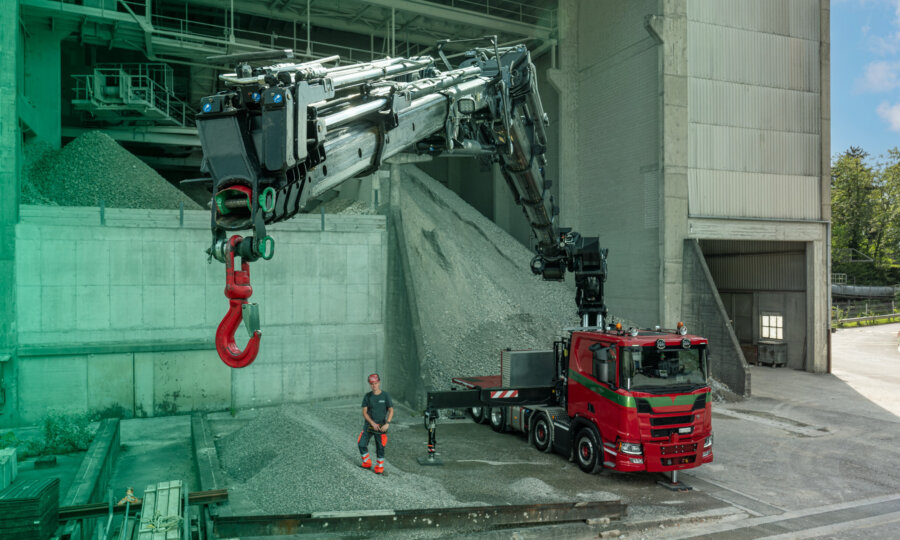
[(772, 326)]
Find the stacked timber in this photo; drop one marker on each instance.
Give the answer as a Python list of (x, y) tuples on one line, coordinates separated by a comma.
[(161, 517), (30, 509), (8, 466)]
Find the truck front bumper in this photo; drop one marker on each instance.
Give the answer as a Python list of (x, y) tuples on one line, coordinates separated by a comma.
[(663, 457)]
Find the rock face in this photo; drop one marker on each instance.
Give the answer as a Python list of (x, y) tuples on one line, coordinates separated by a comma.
[(469, 288), (94, 167)]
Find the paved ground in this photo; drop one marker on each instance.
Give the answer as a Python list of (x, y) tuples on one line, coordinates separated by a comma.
[(808, 456), (812, 456)]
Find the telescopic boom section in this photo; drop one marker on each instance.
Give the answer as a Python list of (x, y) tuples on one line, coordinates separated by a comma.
[(281, 136)]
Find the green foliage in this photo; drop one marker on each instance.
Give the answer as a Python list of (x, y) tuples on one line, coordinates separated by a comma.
[(867, 273), (8, 439), (865, 213), (65, 434), (60, 434), (852, 188)]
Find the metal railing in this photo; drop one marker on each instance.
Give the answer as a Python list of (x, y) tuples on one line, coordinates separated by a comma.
[(523, 12), (863, 310), (136, 87), (184, 30)]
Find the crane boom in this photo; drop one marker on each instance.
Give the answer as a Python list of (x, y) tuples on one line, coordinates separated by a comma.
[(281, 136)]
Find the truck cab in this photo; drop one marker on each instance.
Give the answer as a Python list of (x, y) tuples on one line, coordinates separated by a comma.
[(636, 400)]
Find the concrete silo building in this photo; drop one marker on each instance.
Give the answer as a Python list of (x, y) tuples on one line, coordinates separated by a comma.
[(691, 136), (694, 138)]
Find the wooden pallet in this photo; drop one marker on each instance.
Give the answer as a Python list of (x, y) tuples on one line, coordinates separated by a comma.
[(29, 509), (161, 512)]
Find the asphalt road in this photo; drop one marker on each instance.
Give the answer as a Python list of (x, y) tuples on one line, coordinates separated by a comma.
[(810, 456)]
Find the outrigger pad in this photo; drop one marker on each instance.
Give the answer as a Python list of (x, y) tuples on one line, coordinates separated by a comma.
[(673, 486), (426, 461)]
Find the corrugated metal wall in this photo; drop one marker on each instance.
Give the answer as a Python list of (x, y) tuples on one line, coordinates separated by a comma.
[(618, 146), (754, 133), (768, 266)]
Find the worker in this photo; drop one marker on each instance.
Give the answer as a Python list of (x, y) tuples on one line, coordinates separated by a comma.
[(377, 410)]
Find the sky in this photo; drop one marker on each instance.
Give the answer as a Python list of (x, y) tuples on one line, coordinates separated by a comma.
[(865, 75)]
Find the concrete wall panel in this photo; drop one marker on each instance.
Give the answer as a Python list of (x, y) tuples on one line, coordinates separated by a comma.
[(618, 181), (110, 384), (56, 384), (119, 287)]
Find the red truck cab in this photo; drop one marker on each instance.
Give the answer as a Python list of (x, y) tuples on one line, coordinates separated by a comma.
[(641, 397)]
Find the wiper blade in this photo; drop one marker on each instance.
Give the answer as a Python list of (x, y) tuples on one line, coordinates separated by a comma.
[(669, 388)]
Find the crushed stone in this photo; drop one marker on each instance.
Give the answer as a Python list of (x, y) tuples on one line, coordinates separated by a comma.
[(346, 207), (289, 459), (94, 167), (474, 289), (721, 393)]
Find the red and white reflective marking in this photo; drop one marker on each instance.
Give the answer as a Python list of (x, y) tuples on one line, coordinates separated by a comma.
[(500, 394)]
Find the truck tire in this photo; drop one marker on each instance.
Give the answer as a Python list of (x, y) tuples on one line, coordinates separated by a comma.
[(498, 419), (542, 433), (587, 451), (478, 414)]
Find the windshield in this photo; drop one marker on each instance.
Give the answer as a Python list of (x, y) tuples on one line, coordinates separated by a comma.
[(650, 368)]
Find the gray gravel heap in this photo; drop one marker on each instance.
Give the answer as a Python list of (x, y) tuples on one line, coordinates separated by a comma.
[(290, 459), (94, 167), (475, 292)]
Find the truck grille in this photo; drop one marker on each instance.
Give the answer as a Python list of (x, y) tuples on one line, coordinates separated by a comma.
[(670, 420), (677, 449)]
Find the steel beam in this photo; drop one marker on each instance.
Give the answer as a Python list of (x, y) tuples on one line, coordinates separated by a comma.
[(465, 17), (349, 23), (468, 518)]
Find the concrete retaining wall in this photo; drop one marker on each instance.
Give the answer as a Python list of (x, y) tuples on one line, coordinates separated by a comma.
[(121, 315), (705, 315)]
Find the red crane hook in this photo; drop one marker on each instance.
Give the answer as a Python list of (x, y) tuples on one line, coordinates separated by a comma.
[(237, 290)]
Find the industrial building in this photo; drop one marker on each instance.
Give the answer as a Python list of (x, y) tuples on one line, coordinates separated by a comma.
[(690, 136)]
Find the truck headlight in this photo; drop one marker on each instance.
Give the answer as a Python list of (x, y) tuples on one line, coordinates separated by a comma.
[(631, 448), (708, 442)]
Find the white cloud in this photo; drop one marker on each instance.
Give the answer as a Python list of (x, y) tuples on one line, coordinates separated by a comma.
[(890, 114), (881, 76), (888, 44)]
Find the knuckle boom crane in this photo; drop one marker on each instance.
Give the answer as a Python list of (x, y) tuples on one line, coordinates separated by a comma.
[(281, 136)]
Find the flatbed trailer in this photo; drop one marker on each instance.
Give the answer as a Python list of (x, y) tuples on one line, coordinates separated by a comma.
[(635, 400)]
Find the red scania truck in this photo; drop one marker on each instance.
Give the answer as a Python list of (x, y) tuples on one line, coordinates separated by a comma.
[(625, 400)]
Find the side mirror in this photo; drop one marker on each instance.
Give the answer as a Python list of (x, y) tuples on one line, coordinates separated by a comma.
[(601, 364)]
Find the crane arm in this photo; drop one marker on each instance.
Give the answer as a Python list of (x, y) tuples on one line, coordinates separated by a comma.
[(281, 136)]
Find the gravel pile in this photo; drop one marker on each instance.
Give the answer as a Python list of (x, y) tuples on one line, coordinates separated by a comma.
[(94, 167), (347, 207), (290, 460), (721, 393), (474, 288)]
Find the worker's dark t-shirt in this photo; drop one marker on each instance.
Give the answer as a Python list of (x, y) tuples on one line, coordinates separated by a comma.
[(378, 406)]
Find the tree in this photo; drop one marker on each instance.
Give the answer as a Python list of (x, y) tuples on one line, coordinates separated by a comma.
[(852, 198), (887, 212)]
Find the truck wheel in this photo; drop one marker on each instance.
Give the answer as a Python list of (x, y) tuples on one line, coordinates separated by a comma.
[(498, 419), (587, 451), (477, 414), (540, 433)]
